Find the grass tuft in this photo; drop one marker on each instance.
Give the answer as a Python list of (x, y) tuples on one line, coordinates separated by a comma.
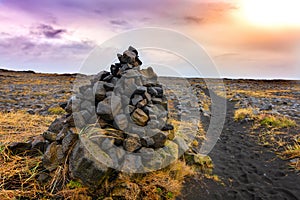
[(74, 184), (244, 113), (56, 111), (272, 121), (292, 153)]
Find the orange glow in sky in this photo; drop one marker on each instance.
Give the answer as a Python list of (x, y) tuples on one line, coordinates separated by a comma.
[(271, 13)]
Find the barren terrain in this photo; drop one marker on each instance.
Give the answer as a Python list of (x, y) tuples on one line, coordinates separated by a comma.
[(257, 155)]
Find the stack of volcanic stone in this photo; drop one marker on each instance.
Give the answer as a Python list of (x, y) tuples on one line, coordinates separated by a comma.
[(122, 119), (122, 98), (127, 99)]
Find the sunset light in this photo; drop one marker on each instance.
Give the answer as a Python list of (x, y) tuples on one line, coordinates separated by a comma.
[(271, 13), (159, 99), (241, 36)]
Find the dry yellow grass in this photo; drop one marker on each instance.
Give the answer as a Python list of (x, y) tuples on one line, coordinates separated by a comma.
[(20, 126), (18, 173), (243, 113), (18, 177), (169, 180), (262, 93), (162, 184), (18, 180), (292, 152)]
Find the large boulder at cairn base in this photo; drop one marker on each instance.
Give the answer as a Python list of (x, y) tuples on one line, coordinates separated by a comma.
[(84, 166)]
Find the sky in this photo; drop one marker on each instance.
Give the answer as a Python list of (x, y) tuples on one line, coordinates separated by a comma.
[(244, 38)]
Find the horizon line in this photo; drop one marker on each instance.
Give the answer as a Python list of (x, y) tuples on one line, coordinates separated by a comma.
[(189, 77)]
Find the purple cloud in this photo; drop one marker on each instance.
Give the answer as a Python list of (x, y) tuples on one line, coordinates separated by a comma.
[(4, 34), (49, 32), (119, 22), (30, 48), (27, 45), (98, 11)]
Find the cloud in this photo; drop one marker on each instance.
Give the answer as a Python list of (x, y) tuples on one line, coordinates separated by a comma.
[(4, 34), (192, 19), (119, 13), (27, 52), (119, 22), (49, 32), (26, 47), (98, 6), (15, 47), (205, 11), (78, 47), (98, 11)]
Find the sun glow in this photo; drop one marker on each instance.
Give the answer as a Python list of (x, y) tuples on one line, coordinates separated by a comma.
[(271, 12)]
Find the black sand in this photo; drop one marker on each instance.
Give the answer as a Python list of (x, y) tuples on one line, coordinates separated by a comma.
[(249, 171)]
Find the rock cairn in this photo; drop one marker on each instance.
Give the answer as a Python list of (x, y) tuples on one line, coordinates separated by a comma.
[(122, 118)]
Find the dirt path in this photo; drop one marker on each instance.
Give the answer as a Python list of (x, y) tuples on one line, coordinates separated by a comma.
[(248, 170)]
